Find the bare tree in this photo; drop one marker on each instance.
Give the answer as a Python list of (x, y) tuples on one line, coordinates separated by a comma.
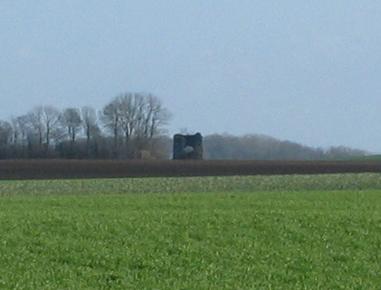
[(137, 117), (130, 107), (5, 133), (71, 119), (156, 117), (110, 117), (34, 122), (51, 118), (44, 123), (21, 124), (89, 123), (141, 116), (16, 131)]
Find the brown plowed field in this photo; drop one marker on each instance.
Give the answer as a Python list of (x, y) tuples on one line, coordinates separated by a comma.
[(58, 169)]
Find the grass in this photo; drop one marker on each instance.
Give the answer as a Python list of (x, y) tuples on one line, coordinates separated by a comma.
[(376, 157), (192, 184), (296, 232)]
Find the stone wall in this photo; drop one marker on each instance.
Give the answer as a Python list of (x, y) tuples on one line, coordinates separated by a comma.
[(187, 147)]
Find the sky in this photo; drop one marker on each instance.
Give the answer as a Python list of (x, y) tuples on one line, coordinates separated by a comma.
[(302, 70)]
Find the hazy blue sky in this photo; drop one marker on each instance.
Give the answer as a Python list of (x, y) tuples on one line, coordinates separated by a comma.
[(308, 71)]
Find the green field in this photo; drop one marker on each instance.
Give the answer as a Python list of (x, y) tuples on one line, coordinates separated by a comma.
[(274, 232)]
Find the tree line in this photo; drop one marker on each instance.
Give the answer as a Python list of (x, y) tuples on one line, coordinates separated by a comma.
[(129, 126), (262, 147), (133, 126)]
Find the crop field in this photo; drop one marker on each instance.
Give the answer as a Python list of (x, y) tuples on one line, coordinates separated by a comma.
[(61, 169), (234, 232)]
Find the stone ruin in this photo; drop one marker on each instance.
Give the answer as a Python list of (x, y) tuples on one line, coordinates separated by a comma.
[(187, 147)]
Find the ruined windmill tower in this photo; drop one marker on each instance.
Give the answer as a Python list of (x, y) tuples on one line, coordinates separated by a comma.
[(188, 147)]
